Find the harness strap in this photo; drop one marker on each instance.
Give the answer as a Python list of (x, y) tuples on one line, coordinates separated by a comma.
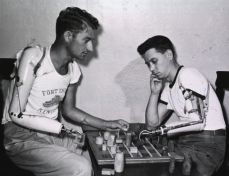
[(37, 66), (39, 63)]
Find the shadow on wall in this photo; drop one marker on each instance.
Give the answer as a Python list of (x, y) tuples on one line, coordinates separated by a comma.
[(134, 82)]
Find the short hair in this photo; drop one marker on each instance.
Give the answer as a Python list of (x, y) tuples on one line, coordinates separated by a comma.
[(74, 18), (160, 43)]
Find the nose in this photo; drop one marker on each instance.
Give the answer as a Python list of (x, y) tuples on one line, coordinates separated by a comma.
[(151, 66), (89, 46)]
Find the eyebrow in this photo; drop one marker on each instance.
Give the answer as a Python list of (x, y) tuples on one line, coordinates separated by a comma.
[(151, 60), (89, 38)]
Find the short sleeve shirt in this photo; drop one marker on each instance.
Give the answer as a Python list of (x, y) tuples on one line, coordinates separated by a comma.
[(192, 79), (49, 88)]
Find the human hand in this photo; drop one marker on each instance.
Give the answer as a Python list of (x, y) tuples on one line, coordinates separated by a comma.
[(120, 124), (155, 84)]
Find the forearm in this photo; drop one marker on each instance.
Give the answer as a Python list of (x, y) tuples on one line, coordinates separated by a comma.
[(188, 126), (152, 116), (196, 111), (37, 123), (79, 116)]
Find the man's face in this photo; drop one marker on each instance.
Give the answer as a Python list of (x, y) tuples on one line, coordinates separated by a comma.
[(82, 43), (157, 62)]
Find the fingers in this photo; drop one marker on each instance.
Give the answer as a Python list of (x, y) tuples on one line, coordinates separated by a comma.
[(124, 125), (121, 124), (154, 78), (155, 84)]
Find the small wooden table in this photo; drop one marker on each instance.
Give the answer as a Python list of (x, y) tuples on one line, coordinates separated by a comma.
[(153, 155)]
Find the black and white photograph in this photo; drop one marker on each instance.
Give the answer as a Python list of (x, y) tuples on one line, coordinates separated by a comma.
[(114, 87)]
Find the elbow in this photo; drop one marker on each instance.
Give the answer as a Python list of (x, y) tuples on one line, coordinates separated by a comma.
[(151, 125), (15, 116), (202, 125), (195, 117), (66, 111)]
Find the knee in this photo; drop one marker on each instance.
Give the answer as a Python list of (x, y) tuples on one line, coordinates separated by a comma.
[(82, 168)]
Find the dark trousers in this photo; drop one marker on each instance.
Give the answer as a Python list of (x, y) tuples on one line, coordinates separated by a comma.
[(204, 153)]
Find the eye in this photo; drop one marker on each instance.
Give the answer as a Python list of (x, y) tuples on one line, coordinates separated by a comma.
[(86, 40), (153, 60)]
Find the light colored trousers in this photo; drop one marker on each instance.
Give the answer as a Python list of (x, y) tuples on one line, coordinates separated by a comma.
[(45, 154)]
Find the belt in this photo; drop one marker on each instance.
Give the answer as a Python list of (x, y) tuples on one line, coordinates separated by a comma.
[(219, 132)]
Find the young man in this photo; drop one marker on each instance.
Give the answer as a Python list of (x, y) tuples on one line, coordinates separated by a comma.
[(187, 93), (46, 80)]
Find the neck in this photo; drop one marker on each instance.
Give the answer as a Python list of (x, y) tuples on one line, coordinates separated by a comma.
[(59, 58), (173, 71)]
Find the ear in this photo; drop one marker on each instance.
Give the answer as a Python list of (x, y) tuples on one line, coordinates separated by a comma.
[(169, 54), (68, 35)]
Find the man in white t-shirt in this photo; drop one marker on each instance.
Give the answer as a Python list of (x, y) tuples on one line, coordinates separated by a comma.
[(186, 92), (45, 81)]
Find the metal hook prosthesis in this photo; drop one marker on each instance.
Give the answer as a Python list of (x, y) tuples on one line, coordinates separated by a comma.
[(162, 130), (75, 134), (148, 132), (71, 132)]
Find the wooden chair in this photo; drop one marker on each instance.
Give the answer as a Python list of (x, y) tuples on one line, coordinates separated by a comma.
[(222, 85), (8, 168)]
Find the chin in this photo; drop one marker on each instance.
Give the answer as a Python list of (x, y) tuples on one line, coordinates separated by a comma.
[(77, 58), (81, 57), (161, 77)]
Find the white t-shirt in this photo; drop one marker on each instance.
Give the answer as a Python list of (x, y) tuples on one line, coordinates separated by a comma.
[(192, 79), (48, 89)]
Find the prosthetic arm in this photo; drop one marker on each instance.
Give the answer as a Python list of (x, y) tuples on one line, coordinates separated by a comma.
[(195, 90), (36, 122), (196, 107), (24, 77)]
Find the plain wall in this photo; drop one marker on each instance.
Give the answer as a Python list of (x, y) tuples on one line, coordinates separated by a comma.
[(116, 81)]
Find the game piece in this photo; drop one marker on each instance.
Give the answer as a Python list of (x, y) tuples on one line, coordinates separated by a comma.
[(99, 140)]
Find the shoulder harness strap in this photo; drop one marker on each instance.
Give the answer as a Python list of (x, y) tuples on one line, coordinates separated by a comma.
[(39, 63)]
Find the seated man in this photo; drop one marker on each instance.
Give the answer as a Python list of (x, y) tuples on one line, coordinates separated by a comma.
[(45, 81), (185, 91)]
